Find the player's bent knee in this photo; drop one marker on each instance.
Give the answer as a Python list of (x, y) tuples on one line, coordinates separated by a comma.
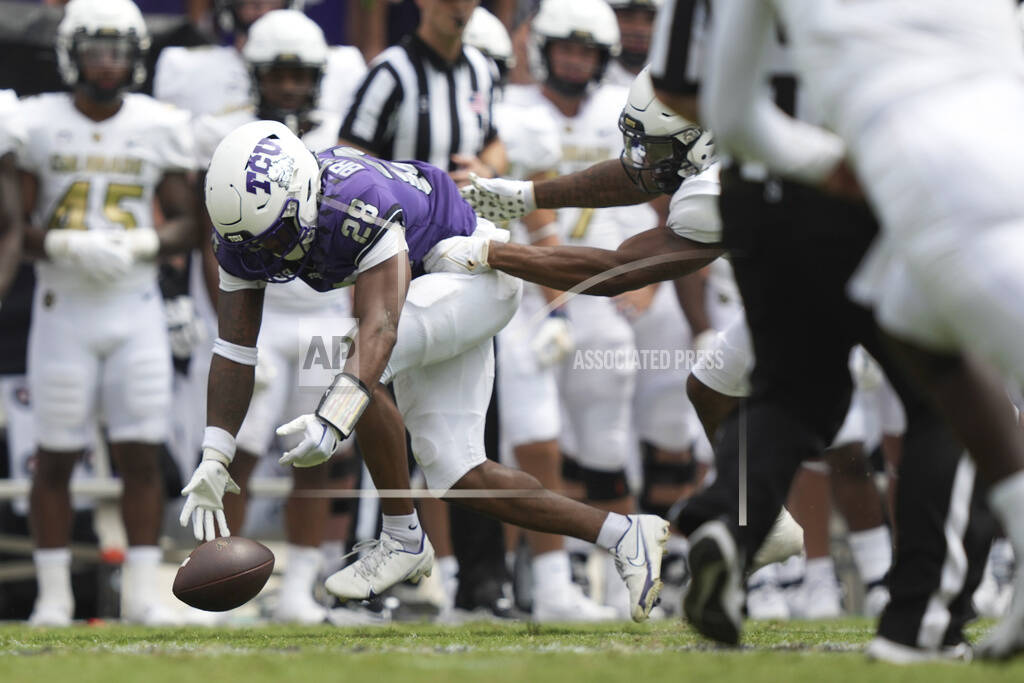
[(604, 486)]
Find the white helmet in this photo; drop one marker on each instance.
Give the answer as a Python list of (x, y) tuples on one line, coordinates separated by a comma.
[(119, 23), (660, 147), (285, 37), (653, 5), (228, 20), (262, 192), (591, 22), (485, 32)]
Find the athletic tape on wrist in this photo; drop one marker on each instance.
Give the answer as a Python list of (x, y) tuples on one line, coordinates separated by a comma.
[(218, 442), (243, 355), (343, 403)]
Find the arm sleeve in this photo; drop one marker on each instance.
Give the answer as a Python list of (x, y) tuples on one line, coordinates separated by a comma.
[(232, 283), (737, 105), (391, 243), (368, 122)]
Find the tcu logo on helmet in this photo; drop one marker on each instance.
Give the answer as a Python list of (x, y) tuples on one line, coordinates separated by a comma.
[(262, 161)]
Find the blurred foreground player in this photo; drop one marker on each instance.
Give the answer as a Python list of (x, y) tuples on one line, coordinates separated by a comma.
[(946, 272), (342, 218), (94, 160)]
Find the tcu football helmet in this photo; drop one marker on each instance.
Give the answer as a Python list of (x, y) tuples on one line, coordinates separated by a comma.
[(262, 192), (112, 29), (591, 22), (486, 33), (285, 38), (660, 148)]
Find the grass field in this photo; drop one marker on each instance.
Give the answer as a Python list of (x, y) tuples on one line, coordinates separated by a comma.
[(623, 653)]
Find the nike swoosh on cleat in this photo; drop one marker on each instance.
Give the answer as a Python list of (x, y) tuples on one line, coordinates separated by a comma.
[(414, 527), (636, 555)]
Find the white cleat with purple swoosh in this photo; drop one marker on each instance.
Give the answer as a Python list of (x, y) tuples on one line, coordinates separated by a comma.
[(638, 559)]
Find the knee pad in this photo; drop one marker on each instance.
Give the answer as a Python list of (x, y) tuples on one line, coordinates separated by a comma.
[(604, 486), (661, 472)]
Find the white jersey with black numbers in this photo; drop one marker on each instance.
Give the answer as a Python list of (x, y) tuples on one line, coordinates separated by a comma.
[(209, 131), (100, 175)]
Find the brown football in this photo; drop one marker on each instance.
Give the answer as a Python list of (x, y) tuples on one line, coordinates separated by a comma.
[(223, 574)]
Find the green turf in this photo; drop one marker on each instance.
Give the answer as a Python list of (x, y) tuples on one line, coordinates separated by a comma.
[(620, 653)]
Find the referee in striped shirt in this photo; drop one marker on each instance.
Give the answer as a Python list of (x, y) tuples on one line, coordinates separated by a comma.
[(430, 98)]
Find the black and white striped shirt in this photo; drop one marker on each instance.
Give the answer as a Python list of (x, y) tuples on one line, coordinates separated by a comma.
[(412, 104)]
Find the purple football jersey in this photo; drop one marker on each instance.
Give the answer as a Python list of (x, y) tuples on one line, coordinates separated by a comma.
[(362, 198)]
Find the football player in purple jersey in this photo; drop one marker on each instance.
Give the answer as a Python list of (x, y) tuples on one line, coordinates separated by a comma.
[(343, 218)]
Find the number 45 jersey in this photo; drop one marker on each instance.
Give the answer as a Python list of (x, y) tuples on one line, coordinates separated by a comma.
[(100, 175), (369, 211)]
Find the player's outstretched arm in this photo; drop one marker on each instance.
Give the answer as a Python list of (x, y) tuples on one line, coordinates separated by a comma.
[(229, 390), (603, 184), (651, 256)]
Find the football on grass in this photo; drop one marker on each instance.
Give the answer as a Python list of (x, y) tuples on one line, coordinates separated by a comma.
[(223, 574)]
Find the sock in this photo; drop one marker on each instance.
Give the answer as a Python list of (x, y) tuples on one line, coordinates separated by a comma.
[(872, 553), (614, 528), (53, 574), (138, 577), (300, 572), (791, 572), (551, 572), (1006, 498), (406, 530), (449, 568), (820, 569), (331, 553)]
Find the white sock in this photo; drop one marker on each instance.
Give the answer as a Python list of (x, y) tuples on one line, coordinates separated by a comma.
[(614, 528), (449, 568), (820, 569), (872, 553), (53, 574), (300, 572), (138, 576), (1006, 499), (405, 529), (551, 572)]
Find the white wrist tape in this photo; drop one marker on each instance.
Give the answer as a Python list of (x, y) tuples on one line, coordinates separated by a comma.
[(244, 355), (219, 445), (343, 403)]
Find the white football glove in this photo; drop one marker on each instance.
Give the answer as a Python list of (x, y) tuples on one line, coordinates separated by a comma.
[(552, 341), (205, 502), (498, 199), (459, 255), (100, 255), (319, 442), (142, 243)]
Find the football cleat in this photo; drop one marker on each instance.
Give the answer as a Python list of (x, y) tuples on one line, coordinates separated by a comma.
[(784, 540), (570, 605), (385, 563), (637, 557), (884, 650), (714, 602)]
